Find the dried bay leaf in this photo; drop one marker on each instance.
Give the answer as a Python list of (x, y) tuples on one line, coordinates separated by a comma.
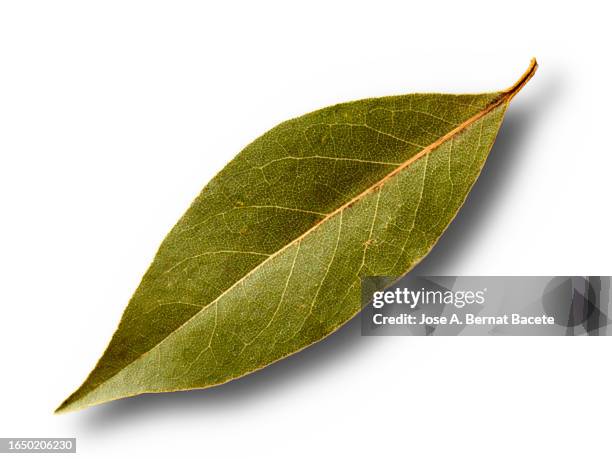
[(268, 258)]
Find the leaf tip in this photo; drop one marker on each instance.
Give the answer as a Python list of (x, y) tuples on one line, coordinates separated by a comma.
[(68, 405), (60, 409), (64, 407)]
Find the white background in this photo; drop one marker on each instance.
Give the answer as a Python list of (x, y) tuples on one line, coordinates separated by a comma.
[(114, 114)]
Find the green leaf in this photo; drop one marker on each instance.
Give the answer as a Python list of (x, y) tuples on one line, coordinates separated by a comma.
[(268, 258)]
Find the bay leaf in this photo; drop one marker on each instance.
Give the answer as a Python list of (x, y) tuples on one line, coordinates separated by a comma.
[(268, 258)]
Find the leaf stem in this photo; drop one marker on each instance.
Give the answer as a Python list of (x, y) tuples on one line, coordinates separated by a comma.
[(522, 81)]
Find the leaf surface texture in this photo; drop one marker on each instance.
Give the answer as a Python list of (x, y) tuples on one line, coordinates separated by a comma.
[(268, 258)]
